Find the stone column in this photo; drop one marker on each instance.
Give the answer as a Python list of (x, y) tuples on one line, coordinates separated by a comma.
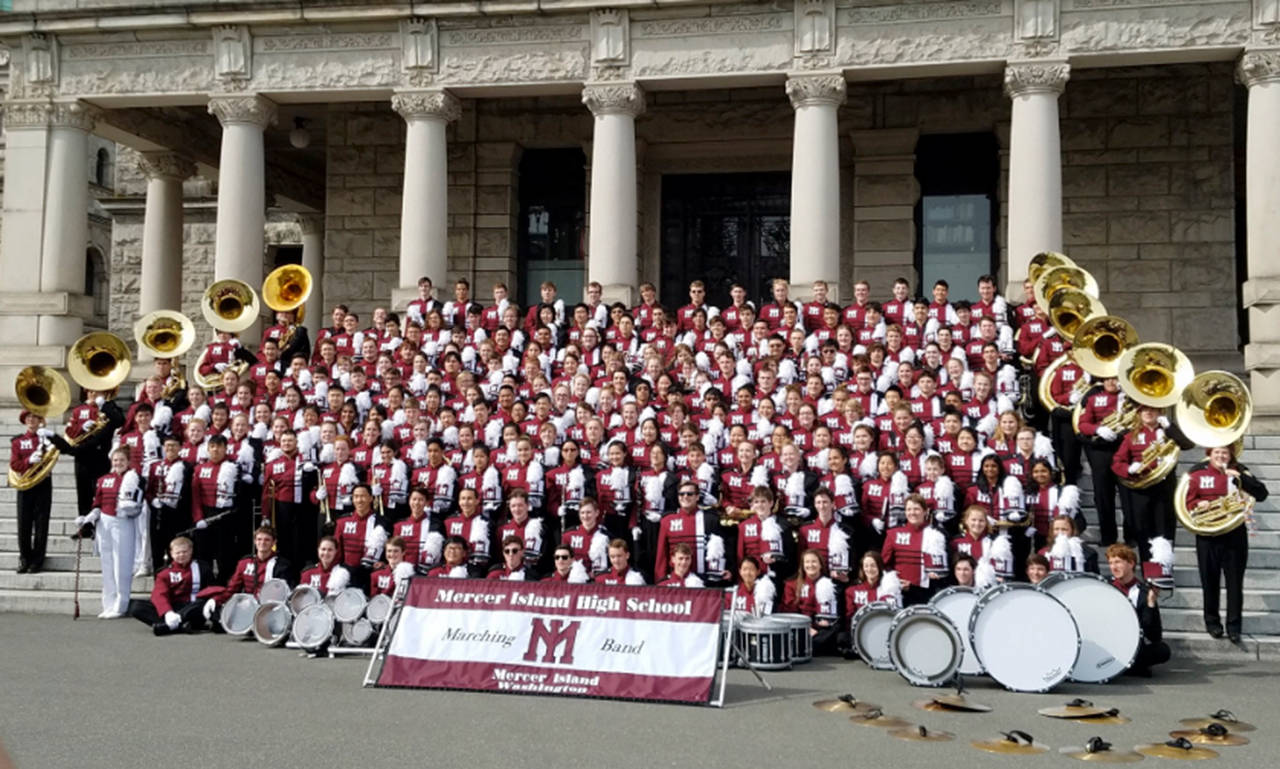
[(424, 207), (1259, 71), (1035, 164), (66, 222), (815, 182), (612, 247), (241, 187), (161, 274), (312, 226)]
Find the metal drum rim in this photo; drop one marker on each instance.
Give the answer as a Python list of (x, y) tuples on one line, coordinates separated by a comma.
[(919, 613), (1008, 587)]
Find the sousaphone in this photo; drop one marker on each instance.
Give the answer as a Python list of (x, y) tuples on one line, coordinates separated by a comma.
[(1046, 260), (164, 334), (99, 361), (230, 305), (1100, 341), (1060, 278), (1154, 374), (45, 393)]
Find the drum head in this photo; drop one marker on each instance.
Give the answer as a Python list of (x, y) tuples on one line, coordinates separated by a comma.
[(348, 606), (1109, 630), (237, 614), (925, 646), (302, 597), (358, 633), (313, 627), (274, 590), (271, 623), (1025, 638), (957, 604), (870, 634), (378, 610)]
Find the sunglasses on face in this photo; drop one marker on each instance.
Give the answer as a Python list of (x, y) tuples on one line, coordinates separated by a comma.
[(511, 550), (688, 494), (564, 558)]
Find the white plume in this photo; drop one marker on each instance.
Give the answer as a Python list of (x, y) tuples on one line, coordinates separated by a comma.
[(985, 575), (1161, 551), (326, 454), (578, 574), (458, 572), (764, 594), (890, 587), (837, 548), (634, 578), (1043, 447), (771, 532), (715, 553), (1069, 500), (434, 546)]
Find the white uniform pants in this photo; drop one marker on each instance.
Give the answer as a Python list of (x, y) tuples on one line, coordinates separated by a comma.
[(142, 539), (116, 538)]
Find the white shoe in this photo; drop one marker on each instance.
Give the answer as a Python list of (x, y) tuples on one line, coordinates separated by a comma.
[(142, 571), (103, 614), (111, 615)]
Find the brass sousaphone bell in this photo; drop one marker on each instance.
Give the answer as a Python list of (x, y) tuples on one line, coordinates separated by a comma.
[(230, 305), (99, 361), (1071, 308), (1061, 278), (287, 288), (1215, 409), (45, 393), (1046, 260), (1154, 374), (1100, 341), (164, 334)]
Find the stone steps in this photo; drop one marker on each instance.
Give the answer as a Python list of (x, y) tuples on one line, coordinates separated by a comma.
[(52, 601), (1192, 620), (1192, 598), (1199, 646), (90, 581)]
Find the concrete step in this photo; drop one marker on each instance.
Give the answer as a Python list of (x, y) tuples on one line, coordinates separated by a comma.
[(56, 562), (1259, 558), (53, 602), (55, 545), (1192, 620), (90, 580), (1254, 579), (1193, 598), (58, 527), (64, 494), (1199, 646)]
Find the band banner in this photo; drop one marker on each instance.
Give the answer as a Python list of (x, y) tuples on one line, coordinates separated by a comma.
[(644, 643)]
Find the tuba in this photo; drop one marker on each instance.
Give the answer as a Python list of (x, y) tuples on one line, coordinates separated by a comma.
[(1154, 374), (1224, 514), (1158, 461), (1046, 260), (164, 334), (230, 305), (44, 392), (1045, 389), (1215, 409), (99, 361), (1060, 278), (1100, 341), (287, 288), (1071, 308)]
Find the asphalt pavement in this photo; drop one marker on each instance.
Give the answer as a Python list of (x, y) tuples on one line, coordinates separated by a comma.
[(109, 695)]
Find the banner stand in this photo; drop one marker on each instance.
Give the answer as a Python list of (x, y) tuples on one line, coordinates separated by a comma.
[(730, 646), (384, 634)]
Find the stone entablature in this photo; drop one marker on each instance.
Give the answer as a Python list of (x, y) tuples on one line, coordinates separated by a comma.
[(375, 49)]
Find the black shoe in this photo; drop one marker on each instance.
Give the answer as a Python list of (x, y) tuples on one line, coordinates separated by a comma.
[(1234, 638), (22, 568), (1215, 632), (35, 569), (160, 629)]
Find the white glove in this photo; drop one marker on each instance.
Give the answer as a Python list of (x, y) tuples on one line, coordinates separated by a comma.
[(377, 489), (98, 401), (172, 619), (219, 367), (202, 524), (210, 606), (322, 493), (1134, 467), (308, 467), (92, 517), (878, 525), (81, 520), (36, 456), (44, 432), (1163, 422), (246, 477), (1076, 395), (155, 503), (1106, 433)]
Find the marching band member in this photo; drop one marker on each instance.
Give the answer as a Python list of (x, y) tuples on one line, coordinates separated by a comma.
[(1100, 446), (328, 575), (825, 536), (698, 529), (620, 571), (361, 536), (423, 546), (873, 584), (962, 571), (813, 594), (1067, 551), (26, 451), (763, 535), (213, 493), (917, 552), (390, 482), (339, 476), (589, 542), (1037, 568), (474, 528), (513, 564), (174, 604), (93, 425), (568, 568), (681, 572), (167, 484), (386, 580), (529, 530), (116, 504), (1148, 512), (1045, 500), (250, 573), (1152, 650), (754, 594), (1227, 554), (287, 478)]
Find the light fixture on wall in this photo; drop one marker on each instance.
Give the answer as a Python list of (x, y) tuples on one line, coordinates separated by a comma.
[(300, 137)]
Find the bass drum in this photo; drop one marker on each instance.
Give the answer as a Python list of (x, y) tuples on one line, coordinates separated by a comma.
[(237, 614), (271, 623), (274, 590), (869, 632), (925, 646), (957, 604), (1109, 630), (313, 627), (1025, 638)]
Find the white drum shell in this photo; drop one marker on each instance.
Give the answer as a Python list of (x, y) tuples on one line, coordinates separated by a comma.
[(271, 623), (925, 646), (313, 627), (378, 610), (1025, 638), (274, 589), (869, 631), (348, 605), (302, 597), (1110, 634), (957, 604), (237, 614)]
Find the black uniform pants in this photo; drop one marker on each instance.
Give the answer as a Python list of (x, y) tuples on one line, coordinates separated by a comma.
[(1149, 513), (165, 525), (145, 611), (296, 527), (1104, 490), (33, 522), (1226, 554), (1066, 446)]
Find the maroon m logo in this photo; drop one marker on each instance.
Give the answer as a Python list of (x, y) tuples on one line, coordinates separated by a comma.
[(560, 631)]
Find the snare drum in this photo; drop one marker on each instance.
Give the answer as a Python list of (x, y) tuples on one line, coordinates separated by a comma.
[(378, 610), (358, 633), (869, 631), (925, 646), (237, 614), (801, 638), (313, 627), (274, 590), (765, 642), (957, 604), (1025, 638), (348, 605), (302, 597), (271, 623), (1109, 630)]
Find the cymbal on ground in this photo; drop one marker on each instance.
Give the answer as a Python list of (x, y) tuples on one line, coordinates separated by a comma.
[(921, 734), (1012, 743)]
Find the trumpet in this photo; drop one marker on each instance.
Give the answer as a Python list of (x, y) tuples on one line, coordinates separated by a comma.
[(1224, 514)]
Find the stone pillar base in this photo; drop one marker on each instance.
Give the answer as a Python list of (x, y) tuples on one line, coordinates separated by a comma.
[(619, 292), (400, 298)]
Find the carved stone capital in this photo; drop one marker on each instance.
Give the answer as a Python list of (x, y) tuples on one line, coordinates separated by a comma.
[(72, 114), (613, 99), (30, 114), (427, 105), (816, 90), (166, 165), (242, 108), (1258, 67), (1022, 78)]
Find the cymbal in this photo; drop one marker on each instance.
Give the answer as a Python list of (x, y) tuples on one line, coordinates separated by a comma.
[(878, 718), (921, 734), (952, 703), (1210, 736), (845, 703), (1100, 751), (1076, 708), (1014, 743), (1224, 717), (1110, 717), (1177, 750)]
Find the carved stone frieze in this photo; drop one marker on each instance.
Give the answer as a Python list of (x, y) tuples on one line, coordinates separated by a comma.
[(166, 165), (709, 25), (242, 108), (816, 90), (19, 114), (122, 50), (532, 33), (438, 105), (905, 13), (1257, 67), (1036, 77), (371, 41), (516, 64), (613, 99), (73, 114)]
